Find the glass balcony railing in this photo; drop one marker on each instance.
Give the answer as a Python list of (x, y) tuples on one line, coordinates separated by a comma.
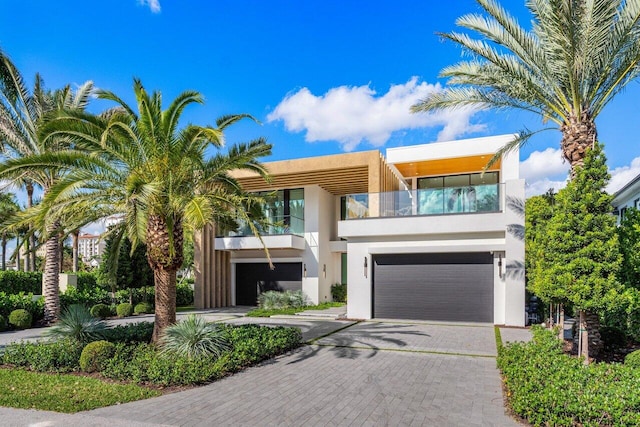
[(286, 224), (429, 201)]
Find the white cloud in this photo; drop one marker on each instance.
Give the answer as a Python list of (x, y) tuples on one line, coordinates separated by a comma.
[(543, 170), (620, 176), (352, 115), (154, 5)]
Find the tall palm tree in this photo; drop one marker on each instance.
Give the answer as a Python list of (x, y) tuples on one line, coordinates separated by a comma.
[(577, 56), (8, 208), (143, 166), (22, 114)]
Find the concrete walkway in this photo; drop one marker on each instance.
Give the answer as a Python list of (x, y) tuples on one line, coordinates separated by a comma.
[(368, 373)]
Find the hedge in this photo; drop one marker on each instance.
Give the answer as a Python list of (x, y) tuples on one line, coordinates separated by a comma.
[(546, 387), (14, 282)]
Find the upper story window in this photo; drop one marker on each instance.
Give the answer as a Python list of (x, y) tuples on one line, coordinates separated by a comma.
[(474, 192)]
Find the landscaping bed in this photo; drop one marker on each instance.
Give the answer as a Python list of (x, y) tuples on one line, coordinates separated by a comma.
[(124, 357), (544, 386), (263, 312)]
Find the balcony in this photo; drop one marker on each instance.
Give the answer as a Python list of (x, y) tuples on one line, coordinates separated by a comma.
[(282, 232), (469, 199)]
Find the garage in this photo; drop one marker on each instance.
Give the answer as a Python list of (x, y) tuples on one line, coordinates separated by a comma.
[(443, 287), (255, 278)]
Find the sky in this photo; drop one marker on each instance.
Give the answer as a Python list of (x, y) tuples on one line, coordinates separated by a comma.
[(321, 77)]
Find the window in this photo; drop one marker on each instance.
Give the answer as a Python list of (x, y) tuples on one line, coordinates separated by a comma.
[(475, 192)]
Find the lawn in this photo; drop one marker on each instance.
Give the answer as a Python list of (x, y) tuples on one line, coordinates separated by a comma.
[(64, 393), (261, 312)]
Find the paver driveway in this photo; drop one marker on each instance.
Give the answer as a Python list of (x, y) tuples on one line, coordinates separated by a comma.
[(353, 377), (371, 373)]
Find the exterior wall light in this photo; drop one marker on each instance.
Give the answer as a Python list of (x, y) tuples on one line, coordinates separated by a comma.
[(304, 270), (500, 266), (365, 267), (324, 270)]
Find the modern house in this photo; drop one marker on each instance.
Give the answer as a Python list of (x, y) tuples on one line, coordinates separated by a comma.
[(421, 233), (627, 197)]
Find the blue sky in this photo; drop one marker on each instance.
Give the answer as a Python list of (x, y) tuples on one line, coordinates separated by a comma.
[(322, 76)]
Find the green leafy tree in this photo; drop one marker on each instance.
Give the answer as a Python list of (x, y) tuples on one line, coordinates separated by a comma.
[(23, 113), (132, 267), (629, 235), (158, 176), (575, 58), (581, 257)]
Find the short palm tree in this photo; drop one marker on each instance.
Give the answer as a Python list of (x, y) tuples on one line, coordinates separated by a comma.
[(158, 176), (22, 114), (577, 56)]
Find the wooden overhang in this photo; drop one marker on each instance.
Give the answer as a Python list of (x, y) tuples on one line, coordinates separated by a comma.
[(339, 174), (449, 166)]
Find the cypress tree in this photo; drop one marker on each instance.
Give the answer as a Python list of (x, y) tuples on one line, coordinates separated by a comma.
[(582, 256)]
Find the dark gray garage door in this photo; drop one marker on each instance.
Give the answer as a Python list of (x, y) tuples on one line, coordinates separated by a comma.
[(255, 278), (449, 287)]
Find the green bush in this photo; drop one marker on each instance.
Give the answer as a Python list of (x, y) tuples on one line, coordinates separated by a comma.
[(101, 311), (58, 356), (88, 297), (20, 319), (77, 323), (3, 323), (143, 308), (633, 359), (140, 332), (275, 300), (10, 302), (95, 355), (124, 310), (547, 387), (184, 293), (194, 337), (87, 281), (14, 282), (339, 292)]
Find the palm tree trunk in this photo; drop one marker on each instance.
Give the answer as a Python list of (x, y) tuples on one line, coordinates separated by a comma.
[(30, 257), (578, 135), (583, 349), (17, 252), (74, 245), (51, 272), (165, 255), (27, 255), (165, 299), (61, 251), (4, 251)]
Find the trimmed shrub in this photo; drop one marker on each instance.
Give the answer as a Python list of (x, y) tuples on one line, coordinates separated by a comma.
[(3, 323), (10, 302), (124, 310), (143, 308), (194, 337), (339, 292), (15, 282), (77, 323), (88, 297), (58, 356), (140, 332), (95, 355), (20, 319), (101, 311), (633, 359), (547, 387)]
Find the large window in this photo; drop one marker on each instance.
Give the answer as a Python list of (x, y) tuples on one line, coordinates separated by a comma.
[(284, 211), (458, 193)]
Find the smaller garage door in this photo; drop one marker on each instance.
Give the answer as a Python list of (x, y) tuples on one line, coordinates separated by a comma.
[(254, 278), (446, 287)]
